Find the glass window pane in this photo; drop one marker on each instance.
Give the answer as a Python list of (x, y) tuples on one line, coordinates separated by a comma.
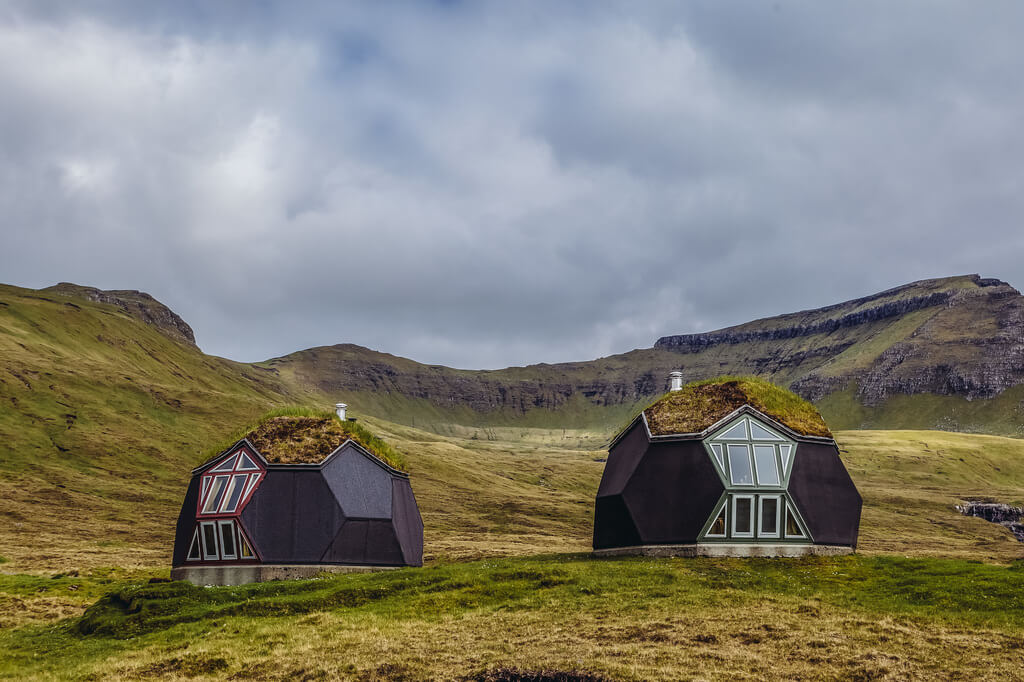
[(246, 464), (227, 540), (209, 541), (767, 469), (739, 465), (744, 508), (792, 527), (226, 465), (769, 516), (234, 493), (193, 549), (245, 551), (784, 451), (215, 495), (737, 432), (758, 432), (717, 449), (718, 527)]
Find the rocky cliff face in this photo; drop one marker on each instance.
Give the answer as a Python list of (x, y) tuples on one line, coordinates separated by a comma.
[(138, 304)]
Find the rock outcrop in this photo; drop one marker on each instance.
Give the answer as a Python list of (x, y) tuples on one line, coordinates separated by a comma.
[(138, 304)]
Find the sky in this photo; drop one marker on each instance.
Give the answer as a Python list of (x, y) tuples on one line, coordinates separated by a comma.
[(485, 184)]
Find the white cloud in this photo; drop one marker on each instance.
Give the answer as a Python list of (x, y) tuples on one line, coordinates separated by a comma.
[(497, 185)]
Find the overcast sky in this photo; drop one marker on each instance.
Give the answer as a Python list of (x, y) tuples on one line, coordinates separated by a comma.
[(488, 184)]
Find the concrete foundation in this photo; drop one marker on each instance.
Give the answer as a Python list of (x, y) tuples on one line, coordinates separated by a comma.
[(721, 549), (243, 575)]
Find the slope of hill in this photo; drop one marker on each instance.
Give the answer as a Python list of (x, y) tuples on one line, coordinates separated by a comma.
[(944, 353), (100, 415)]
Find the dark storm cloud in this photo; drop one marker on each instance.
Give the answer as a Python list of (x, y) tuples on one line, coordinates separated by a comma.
[(491, 184)]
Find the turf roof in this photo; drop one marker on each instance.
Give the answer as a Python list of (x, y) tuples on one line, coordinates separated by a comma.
[(302, 436), (702, 404)]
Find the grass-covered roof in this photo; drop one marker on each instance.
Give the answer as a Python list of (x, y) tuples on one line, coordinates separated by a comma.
[(304, 436), (701, 404)]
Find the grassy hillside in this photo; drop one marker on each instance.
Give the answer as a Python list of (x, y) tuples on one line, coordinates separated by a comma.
[(101, 417)]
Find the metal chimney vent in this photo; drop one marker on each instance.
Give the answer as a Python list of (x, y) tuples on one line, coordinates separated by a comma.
[(340, 409), (675, 380)]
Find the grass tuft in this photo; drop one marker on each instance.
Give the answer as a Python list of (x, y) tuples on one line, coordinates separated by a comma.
[(703, 403), (296, 434)]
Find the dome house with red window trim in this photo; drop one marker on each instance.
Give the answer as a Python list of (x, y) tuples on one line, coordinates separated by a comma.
[(734, 466), (296, 496)]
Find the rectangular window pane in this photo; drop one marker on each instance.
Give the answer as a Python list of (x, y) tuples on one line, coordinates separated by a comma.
[(209, 541), (234, 492), (767, 467), (216, 494), (227, 540), (744, 508), (769, 516), (739, 465)]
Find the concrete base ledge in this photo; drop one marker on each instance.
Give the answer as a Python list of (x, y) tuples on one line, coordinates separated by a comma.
[(722, 549), (243, 575)]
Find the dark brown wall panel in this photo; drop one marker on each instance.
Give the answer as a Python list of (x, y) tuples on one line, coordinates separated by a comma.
[(672, 492), (622, 460), (825, 495), (186, 523), (613, 526)]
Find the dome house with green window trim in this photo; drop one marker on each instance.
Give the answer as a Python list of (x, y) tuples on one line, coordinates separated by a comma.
[(298, 493), (734, 466)]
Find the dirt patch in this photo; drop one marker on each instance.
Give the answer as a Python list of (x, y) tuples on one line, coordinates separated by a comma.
[(297, 440), (185, 666)]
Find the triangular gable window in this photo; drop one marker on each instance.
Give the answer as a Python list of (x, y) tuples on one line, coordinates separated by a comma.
[(717, 449), (794, 527), (246, 464), (226, 465), (193, 548), (784, 451), (737, 432), (758, 432)]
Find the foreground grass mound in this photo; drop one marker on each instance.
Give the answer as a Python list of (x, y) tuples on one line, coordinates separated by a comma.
[(703, 403), (850, 617)]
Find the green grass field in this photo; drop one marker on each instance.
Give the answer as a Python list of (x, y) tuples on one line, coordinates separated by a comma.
[(103, 417), (508, 584)]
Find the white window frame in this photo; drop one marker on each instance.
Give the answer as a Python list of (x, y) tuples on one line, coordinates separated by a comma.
[(753, 516), (724, 508), (216, 541), (196, 542), (220, 539), (778, 515), (750, 464), (232, 484), (790, 509), (211, 494), (757, 470)]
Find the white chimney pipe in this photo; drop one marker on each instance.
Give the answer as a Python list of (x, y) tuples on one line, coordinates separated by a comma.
[(340, 409), (675, 381)]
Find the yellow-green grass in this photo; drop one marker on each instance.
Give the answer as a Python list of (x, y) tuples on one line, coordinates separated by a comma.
[(302, 434), (701, 404), (629, 619)]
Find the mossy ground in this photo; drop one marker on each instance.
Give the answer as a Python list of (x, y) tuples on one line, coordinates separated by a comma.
[(627, 619), (295, 434), (701, 404)]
